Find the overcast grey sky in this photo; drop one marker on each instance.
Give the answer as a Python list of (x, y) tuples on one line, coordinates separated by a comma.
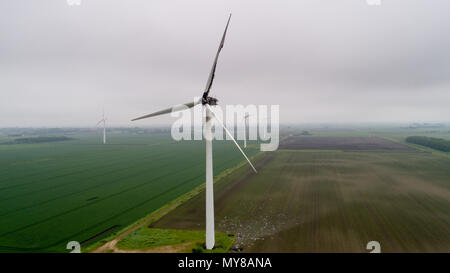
[(320, 60)]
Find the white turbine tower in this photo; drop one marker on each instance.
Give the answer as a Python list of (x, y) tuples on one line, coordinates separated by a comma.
[(206, 101), (103, 120)]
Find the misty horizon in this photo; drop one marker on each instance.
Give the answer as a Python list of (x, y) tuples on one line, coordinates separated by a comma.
[(331, 62)]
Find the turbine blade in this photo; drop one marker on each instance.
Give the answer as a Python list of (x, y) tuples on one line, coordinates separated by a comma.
[(102, 120), (175, 108), (231, 136), (213, 69)]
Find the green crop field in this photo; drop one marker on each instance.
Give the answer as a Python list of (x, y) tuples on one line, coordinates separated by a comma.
[(79, 190), (331, 201)]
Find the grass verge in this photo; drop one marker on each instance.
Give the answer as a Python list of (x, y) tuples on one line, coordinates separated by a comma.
[(184, 241)]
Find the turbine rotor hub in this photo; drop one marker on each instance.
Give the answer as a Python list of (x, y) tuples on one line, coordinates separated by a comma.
[(209, 100)]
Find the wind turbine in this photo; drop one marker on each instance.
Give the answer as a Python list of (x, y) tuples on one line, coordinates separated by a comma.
[(104, 126), (206, 101), (245, 129)]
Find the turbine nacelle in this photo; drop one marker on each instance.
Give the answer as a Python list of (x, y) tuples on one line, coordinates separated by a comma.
[(209, 101)]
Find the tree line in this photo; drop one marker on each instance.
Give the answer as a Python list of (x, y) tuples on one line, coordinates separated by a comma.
[(40, 139), (431, 142)]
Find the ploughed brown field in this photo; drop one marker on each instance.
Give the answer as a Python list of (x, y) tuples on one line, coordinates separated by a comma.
[(341, 143), (331, 201)]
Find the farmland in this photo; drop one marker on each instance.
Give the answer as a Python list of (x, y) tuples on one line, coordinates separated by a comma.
[(55, 192), (326, 190), (333, 200)]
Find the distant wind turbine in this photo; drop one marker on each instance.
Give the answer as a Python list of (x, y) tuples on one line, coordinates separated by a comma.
[(103, 120), (245, 129), (207, 101)]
